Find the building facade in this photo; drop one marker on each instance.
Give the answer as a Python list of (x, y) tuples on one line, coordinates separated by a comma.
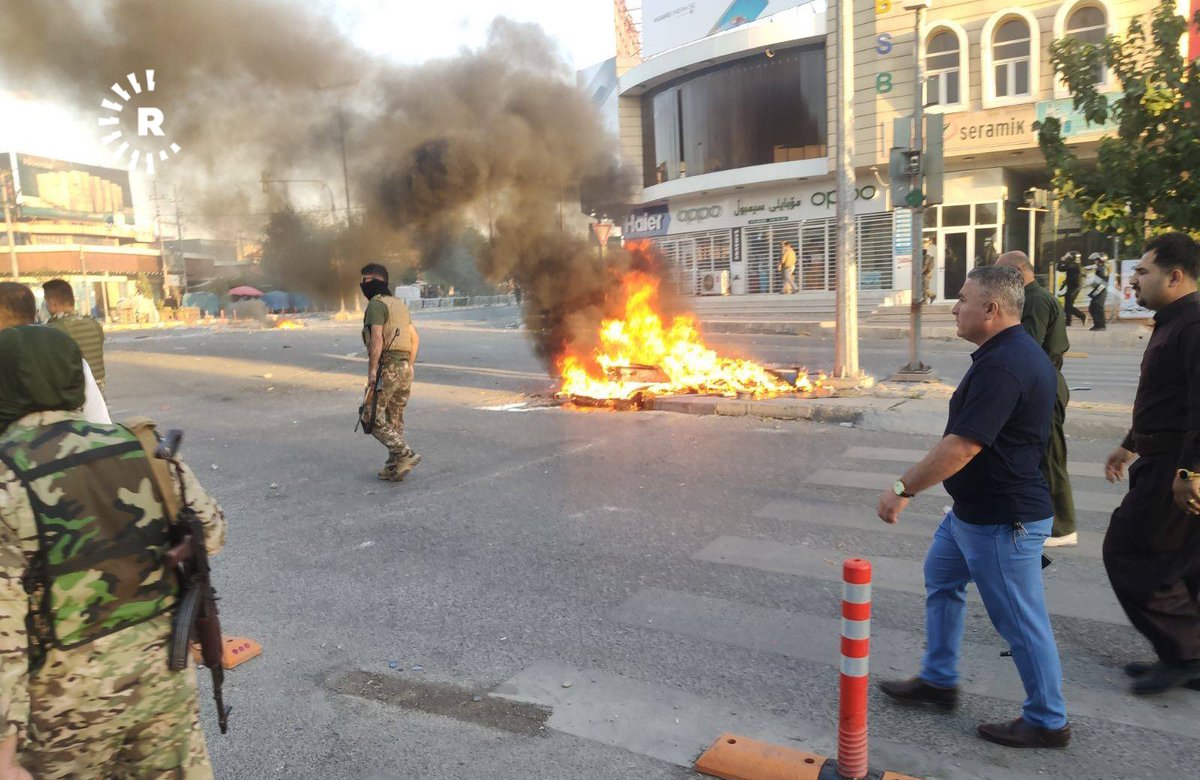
[(729, 118)]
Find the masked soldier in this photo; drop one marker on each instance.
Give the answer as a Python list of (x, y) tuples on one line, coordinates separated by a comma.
[(1072, 272), (85, 599), (392, 343)]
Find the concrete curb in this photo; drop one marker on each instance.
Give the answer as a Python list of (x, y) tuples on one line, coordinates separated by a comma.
[(917, 417)]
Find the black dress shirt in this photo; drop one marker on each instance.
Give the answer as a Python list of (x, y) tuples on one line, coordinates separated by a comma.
[(1168, 396)]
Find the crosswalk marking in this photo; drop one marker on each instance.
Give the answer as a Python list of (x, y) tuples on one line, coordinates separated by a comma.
[(1085, 500), (1091, 690), (913, 524), (675, 726), (1065, 595), (1074, 467)]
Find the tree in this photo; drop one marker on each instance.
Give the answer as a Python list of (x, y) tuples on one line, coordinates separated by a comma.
[(1146, 177)]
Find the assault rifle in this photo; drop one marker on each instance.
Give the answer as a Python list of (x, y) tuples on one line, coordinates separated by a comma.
[(196, 615), (368, 423)]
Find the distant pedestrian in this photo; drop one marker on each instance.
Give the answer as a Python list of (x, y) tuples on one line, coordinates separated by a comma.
[(990, 462), (1152, 549), (19, 308), (928, 261), (1097, 289), (1042, 318), (87, 332), (787, 266), (1072, 274), (392, 343)]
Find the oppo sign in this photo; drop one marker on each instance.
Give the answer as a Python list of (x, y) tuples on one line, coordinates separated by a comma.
[(698, 214)]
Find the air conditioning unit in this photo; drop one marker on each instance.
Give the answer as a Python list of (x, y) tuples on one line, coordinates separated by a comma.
[(714, 283)]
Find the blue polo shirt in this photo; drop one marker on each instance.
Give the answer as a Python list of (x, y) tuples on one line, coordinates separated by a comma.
[(1005, 402)]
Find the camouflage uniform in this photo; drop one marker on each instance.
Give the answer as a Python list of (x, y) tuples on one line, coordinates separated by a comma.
[(108, 707), (396, 375)]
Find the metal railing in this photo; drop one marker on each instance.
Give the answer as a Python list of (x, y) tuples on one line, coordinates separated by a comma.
[(460, 301)]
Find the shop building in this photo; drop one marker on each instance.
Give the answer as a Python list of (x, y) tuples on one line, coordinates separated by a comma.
[(730, 120)]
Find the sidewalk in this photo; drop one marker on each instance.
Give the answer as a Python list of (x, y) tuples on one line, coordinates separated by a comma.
[(892, 408), (1121, 335)]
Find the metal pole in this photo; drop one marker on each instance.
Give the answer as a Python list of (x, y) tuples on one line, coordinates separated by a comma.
[(345, 169), (915, 364), (12, 246), (845, 363)]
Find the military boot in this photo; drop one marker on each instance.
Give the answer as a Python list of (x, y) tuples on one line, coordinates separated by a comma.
[(405, 466)]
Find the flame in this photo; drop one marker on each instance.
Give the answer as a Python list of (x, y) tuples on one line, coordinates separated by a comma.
[(642, 342), (289, 325)]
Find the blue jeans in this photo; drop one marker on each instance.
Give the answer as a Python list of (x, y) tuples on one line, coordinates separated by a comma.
[(1006, 567)]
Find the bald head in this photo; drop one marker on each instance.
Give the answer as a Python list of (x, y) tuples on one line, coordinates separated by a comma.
[(1018, 260)]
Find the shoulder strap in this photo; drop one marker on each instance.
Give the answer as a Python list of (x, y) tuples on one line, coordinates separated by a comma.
[(143, 429)]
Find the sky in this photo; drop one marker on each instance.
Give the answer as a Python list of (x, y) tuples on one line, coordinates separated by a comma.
[(406, 32)]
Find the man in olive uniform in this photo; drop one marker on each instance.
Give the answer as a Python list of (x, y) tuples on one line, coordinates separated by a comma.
[(1042, 319), (392, 343), (85, 600), (87, 332)]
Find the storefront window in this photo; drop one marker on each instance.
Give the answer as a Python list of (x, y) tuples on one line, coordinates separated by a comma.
[(754, 111)]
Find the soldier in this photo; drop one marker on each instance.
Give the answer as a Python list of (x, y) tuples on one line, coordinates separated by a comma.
[(85, 621), (1098, 289), (392, 344), (87, 332)]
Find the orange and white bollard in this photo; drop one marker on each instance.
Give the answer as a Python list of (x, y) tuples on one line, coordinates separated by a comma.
[(852, 759)]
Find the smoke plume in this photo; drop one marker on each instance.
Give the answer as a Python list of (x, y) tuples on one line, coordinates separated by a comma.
[(497, 140)]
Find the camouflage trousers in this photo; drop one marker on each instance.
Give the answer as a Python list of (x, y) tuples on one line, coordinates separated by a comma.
[(389, 420), (112, 708)]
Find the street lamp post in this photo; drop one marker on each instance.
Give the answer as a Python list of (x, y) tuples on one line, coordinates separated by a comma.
[(845, 361)]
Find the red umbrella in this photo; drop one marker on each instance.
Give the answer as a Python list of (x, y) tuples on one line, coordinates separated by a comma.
[(246, 291)]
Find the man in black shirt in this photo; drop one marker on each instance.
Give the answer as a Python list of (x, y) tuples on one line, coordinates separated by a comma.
[(990, 460), (1072, 271), (1152, 549)]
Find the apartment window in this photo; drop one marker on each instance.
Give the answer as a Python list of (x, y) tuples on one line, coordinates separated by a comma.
[(1011, 59), (943, 63), (1088, 24)]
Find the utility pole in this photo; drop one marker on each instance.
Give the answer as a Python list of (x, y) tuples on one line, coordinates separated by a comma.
[(845, 363), (345, 169), (179, 245), (917, 370), (12, 246)]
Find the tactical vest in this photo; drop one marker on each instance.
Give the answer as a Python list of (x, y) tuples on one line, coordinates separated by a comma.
[(395, 330), (102, 531)]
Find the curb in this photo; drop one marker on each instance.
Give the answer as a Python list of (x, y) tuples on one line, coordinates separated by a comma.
[(772, 409), (735, 757)]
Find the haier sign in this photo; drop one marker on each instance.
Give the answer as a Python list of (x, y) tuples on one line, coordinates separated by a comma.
[(647, 223)]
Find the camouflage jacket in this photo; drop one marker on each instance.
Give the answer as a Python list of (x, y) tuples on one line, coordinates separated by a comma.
[(18, 545)]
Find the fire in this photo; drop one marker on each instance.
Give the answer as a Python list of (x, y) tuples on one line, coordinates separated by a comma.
[(672, 358), (289, 325)]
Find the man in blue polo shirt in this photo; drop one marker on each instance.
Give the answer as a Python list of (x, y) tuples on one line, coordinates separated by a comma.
[(990, 462)]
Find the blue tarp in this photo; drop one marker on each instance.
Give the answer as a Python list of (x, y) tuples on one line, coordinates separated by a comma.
[(282, 300), (206, 302)]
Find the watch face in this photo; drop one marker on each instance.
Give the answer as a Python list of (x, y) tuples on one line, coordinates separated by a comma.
[(898, 487)]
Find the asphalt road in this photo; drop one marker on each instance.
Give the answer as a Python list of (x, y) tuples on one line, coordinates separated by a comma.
[(645, 581)]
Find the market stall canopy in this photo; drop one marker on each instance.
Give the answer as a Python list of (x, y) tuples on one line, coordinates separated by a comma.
[(246, 291)]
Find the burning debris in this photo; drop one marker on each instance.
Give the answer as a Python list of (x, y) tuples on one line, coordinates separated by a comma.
[(640, 355)]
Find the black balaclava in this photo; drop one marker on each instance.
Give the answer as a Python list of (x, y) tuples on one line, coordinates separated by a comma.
[(373, 287)]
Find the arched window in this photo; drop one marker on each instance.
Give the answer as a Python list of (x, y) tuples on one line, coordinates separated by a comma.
[(1012, 59), (943, 64), (1089, 24)]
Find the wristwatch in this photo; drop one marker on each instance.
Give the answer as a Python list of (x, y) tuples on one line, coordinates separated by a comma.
[(1186, 475), (902, 491)]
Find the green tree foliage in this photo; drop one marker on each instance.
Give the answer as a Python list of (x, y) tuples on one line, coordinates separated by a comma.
[(1146, 177)]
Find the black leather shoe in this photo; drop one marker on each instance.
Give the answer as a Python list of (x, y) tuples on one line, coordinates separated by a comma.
[(1020, 734), (917, 691), (1161, 677)]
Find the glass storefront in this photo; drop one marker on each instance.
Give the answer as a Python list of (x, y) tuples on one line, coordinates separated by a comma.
[(754, 111), (961, 237)]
